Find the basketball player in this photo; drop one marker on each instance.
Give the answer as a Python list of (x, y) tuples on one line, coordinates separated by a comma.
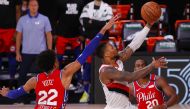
[(112, 75), (51, 85), (149, 91)]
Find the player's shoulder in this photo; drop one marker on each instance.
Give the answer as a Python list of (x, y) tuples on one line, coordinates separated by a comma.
[(33, 78), (104, 68), (33, 81), (160, 80)]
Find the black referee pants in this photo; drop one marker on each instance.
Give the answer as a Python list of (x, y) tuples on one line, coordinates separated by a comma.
[(28, 65)]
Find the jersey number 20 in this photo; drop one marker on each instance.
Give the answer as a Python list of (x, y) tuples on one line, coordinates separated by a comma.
[(152, 103), (45, 99)]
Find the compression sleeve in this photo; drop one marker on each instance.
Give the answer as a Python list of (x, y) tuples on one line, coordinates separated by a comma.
[(90, 48), (139, 38), (14, 94)]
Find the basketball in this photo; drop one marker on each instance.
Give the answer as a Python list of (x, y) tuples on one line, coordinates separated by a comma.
[(151, 12)]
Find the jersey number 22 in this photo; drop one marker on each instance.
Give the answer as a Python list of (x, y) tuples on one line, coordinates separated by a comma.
[(45, 99)]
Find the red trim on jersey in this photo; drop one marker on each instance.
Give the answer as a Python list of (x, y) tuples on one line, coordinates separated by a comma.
[(120, 88)]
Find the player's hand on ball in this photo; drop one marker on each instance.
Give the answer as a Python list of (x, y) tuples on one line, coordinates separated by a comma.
[(161, 62), (4, 91)]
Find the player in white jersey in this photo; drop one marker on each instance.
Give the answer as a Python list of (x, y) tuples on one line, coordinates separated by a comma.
[(112, 76)]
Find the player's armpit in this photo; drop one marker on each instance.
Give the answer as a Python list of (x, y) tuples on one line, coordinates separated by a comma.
[(125, 54), (132, 93), (131, 89), (168, 90), (68, 71), (30, 84)]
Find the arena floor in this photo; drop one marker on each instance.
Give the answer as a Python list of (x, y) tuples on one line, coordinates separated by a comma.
[(79, 106)]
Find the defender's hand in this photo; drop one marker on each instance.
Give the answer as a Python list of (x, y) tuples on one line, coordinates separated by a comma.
[(161, 62), (109, 24), (4, 91)]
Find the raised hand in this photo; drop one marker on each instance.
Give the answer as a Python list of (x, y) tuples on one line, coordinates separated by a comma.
[(4, 91), (161, 62), (109, 24)]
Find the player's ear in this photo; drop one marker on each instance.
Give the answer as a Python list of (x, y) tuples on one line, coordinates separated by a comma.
[(56, 64)]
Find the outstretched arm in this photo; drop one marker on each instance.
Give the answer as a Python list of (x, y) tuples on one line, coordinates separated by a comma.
[(73, 67), (137, 41), (111, 73), (14, 94), (169, 91)]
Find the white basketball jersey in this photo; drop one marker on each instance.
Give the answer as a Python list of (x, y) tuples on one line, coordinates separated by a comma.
[(117, 93)]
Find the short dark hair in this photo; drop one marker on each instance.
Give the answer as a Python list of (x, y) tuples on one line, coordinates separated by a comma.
[(46, 60), (101, 50), (145, 62)]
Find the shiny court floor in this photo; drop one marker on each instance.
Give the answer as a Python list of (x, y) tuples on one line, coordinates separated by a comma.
[(79, 106)]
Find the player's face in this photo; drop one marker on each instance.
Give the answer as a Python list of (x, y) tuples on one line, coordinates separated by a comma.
[(139, 64), (33, 6), (111, 50)]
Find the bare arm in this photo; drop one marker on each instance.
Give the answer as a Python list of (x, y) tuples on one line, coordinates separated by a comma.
[(168, 90), (111, 73), (125, 54), (18, 46), (68, 71), (49, 40), (18, 41), (18, 12), (29, 85)]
